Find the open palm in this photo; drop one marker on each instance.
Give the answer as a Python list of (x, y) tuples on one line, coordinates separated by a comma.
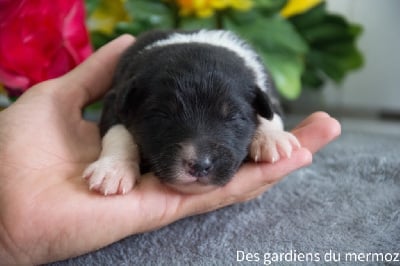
[(46, 210)]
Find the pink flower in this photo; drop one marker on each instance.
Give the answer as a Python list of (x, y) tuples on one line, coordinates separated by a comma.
[(40, 40)]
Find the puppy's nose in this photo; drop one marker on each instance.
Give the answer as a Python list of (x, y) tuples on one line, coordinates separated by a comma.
[(199, 168)]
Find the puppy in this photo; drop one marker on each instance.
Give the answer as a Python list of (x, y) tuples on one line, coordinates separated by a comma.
[(190, 107)]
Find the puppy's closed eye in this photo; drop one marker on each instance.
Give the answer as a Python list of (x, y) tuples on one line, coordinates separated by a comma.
[(158, 114)]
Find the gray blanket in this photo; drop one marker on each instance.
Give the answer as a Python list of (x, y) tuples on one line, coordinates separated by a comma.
[(345, 207)]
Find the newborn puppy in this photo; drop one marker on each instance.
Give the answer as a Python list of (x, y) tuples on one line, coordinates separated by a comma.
[(190, 107)]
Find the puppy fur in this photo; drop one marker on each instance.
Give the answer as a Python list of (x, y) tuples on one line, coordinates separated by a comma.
[(190, 107)]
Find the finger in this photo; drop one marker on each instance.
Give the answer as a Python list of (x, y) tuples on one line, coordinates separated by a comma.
[(314, 116), (316, 131), (254, 175), (90, 80)]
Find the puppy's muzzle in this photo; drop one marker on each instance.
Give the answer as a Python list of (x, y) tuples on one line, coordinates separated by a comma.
[(199, 168), (207, 162), (203, 161)]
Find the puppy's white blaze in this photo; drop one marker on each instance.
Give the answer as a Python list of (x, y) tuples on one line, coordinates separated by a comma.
[(223, 39), (188, 152)]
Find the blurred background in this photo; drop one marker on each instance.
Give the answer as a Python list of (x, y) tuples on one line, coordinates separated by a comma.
[(372, 90), (335, 55)]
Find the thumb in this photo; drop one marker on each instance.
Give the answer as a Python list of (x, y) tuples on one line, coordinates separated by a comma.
[(90, 80)]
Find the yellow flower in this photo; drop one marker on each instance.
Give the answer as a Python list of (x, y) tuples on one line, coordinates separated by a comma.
[(295, 7), (107, 15), (206, 8)]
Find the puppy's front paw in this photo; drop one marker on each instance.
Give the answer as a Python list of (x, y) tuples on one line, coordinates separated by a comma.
[(270, 146), (112, 175)]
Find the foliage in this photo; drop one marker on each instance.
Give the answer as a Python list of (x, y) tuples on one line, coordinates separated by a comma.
[(332, 46), (301, 43)]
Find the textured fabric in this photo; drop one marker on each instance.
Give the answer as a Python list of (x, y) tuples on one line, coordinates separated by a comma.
[(347, 201)]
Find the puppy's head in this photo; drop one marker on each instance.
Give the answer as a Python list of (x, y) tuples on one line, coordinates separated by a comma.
[(193, 132)]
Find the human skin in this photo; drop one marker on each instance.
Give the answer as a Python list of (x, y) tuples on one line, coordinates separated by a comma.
[(47, 212)]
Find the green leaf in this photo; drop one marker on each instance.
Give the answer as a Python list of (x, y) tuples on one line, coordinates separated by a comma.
[(133, 28), (99, 39), (333, 66), (355, 29), (270, 34), (313, 16), (269, 7), (234, 19), (278, 34), (312, 78), (281, 48), (337, 48), (194, 23), (150, 13), (286, 71), (91, 5), (328, 33), (332, 42)]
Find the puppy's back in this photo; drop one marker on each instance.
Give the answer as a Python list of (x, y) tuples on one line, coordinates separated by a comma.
[(140, 44)]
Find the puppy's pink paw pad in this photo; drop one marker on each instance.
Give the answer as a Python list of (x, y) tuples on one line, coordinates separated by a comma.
[(110, 175)]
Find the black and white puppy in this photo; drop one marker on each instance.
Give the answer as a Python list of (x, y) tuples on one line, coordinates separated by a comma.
[(190, 107)]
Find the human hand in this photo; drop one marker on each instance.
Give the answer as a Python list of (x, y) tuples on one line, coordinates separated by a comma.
[(46, 211)]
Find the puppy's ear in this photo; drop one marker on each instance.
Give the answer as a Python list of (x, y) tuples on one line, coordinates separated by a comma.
[(128, 98), (262, 104)]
